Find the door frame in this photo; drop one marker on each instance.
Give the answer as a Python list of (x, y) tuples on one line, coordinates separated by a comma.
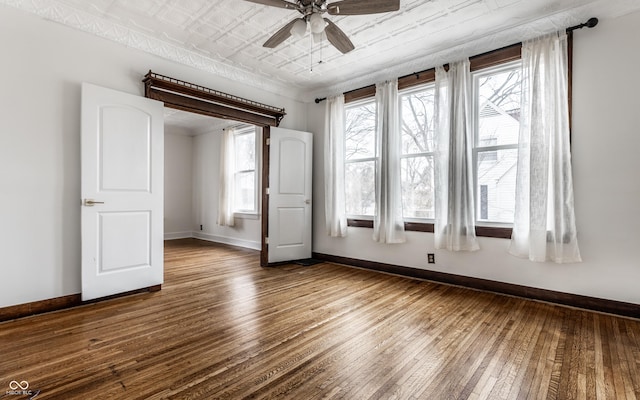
[(190, 97), (264, 251)]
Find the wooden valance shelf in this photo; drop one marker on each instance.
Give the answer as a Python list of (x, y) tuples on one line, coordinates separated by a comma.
[(187, 96)]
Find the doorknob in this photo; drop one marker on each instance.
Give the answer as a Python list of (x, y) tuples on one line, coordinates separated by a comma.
[(91, 202)]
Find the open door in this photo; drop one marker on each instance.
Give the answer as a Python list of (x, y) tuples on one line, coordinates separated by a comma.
[(290, 174), (122, 192)]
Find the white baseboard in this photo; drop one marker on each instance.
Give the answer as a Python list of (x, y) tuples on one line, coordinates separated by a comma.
[(250, 244), (177, 235)]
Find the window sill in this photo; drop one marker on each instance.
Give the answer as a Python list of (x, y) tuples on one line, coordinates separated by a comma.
[(483, 231), (243, 215)]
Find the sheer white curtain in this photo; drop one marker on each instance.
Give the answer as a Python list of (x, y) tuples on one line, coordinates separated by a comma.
[(334, 190), (454, 200), (544, 222), (227, 169), (388, 225)]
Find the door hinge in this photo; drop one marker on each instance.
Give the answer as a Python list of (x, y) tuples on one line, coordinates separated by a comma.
[(266, 191), (266, 240), (268, 141)]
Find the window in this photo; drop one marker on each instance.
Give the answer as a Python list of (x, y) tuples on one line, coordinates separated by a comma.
[(245, 177), (360, 159), (497, 109), (417, 163), (417, 155)]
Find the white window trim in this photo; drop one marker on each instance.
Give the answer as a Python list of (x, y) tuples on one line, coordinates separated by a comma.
[(252, 214)]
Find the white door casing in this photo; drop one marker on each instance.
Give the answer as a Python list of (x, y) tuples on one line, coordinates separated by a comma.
[(290, 178), (122, 164)]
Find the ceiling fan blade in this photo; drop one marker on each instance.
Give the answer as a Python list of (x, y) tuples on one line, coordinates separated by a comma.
[(338, 38), (361, 7), (283, 34), (276, 3)]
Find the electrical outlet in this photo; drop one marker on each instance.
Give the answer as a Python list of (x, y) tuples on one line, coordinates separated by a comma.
[(431, 258), (200, 227)]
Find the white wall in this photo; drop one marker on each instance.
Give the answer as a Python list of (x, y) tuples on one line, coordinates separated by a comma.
[(43, 65), (206, 170), (178, 184), (607, 188)]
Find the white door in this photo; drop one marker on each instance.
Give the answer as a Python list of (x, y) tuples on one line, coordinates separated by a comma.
[(290, 163), (122, 191)]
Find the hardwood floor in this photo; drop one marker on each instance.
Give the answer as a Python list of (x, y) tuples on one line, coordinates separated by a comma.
[(223, 327)]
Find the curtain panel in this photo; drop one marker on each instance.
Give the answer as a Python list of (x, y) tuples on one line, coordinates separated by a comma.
[(544, 222), (334, 156), (227, 169), (388, 225), (454, 227)]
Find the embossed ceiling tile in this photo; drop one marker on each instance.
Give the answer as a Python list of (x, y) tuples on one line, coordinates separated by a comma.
[(141, 6), (505, 3), (218, 20), (299, 56), (208, 30), (275, 59), (252, 52), (221, 49), (245, 31), (230, 41), (176, 18)]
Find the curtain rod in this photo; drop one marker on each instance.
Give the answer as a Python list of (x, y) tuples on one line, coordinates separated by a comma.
[(238, 126), (589, 24)]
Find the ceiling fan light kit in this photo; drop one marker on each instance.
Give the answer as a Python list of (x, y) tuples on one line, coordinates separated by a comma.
[(312, 11), (316, 23), (299, 28)]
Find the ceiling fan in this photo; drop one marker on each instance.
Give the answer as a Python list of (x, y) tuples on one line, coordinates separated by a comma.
[(312, 11)]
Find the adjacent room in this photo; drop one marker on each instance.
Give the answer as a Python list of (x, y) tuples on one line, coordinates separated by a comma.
[(305, 199)]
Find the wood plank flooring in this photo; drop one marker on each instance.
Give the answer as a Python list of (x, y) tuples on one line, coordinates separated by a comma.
[(224, 328)]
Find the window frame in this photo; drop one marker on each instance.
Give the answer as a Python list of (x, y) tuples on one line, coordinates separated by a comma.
[(255, 213)]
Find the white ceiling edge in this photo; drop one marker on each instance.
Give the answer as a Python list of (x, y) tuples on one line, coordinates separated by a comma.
[(71, 17), (486, 43)]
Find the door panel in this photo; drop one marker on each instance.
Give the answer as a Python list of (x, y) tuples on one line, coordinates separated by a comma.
[(125, 149), (292, 231), (122, 192), (290, 163), (292, 177), (124, 240)]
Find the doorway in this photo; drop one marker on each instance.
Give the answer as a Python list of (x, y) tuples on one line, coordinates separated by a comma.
[(192, 173), (190, 97)]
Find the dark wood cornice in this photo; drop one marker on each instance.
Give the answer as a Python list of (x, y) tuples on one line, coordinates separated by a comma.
[(187, 96)]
